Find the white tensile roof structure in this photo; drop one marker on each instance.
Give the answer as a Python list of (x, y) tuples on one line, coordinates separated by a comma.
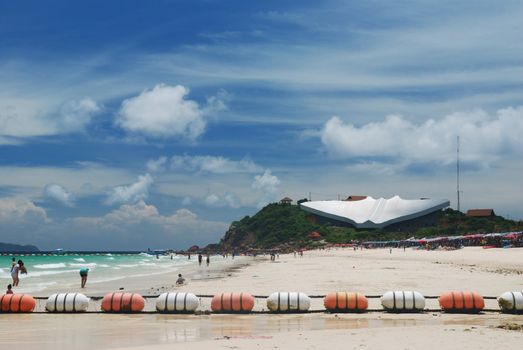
[(375, 213)]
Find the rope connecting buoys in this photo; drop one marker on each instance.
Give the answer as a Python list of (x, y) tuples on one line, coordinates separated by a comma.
[(346, 302), (288, 302), (403, 301), (511, 302), (177, 302), (17, 303), (123, 302), (461, 302), (67, 302), (232, 302)]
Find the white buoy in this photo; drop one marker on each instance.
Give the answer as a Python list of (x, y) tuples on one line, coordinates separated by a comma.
[(67, 302), (403, 301), (511, 302), (177, 302), (288, 301)]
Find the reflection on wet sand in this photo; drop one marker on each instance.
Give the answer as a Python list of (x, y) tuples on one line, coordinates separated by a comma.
[(101, 330)]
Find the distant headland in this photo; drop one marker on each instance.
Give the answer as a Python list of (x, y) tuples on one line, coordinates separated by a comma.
[(10, 247)]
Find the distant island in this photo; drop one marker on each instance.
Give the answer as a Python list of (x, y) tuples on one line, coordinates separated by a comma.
[(17, 248), (288, 226)]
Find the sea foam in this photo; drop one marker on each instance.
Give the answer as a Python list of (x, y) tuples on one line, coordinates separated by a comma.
[(50, 266)]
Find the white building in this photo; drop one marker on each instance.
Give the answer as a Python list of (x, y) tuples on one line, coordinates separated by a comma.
[(371, 213)]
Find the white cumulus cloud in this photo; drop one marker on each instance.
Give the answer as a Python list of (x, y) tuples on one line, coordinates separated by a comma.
[(21, 210), (142, 223), (163, 112), (267, 184), (227, 200), (20, 118), (76, 115), (131, 193), (214, 164), (156, 165), (484, 138), (59, 193)]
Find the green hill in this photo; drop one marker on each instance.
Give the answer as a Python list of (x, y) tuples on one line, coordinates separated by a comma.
[(278, 225), (9, 247)]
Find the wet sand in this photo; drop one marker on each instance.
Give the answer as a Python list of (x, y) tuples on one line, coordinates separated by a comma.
[(490, 272)]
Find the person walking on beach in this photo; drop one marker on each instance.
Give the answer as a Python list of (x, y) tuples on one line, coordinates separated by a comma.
[(83, 276), (9, 289), (200, 258), (15, 270), (208, 260)]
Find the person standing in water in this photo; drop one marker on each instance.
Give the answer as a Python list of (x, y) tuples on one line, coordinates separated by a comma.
[(200, 258), (208, 260), (15, 270), (83, 276)]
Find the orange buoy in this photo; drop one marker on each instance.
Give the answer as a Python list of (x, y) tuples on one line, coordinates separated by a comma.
[(17, 303), (232, 302), (346, 302), (123, 302), (461, 301)]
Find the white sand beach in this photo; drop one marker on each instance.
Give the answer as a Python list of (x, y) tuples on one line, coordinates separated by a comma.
[(372, 272)]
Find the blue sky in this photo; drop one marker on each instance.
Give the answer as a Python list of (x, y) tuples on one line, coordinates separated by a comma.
[(127, 125)]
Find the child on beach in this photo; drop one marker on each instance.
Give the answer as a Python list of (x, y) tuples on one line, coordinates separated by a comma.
[(9, 289), (180, 280)]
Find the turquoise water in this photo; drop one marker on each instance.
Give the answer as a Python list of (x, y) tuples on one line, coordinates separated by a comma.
[(47, 271)]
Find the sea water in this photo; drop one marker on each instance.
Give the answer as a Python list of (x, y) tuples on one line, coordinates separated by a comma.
[(45, 271)]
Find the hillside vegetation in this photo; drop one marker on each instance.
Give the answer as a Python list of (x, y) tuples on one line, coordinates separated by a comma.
[(276, 225), (9, 247)]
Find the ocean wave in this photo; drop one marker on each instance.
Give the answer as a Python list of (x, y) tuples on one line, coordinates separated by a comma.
[(38, 287), (110, 258), (45, 273), (50, 266), (79, 259), (128, 265), (83, 265)]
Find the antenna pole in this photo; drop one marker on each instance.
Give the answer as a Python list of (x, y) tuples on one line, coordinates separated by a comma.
[(457, 172)]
